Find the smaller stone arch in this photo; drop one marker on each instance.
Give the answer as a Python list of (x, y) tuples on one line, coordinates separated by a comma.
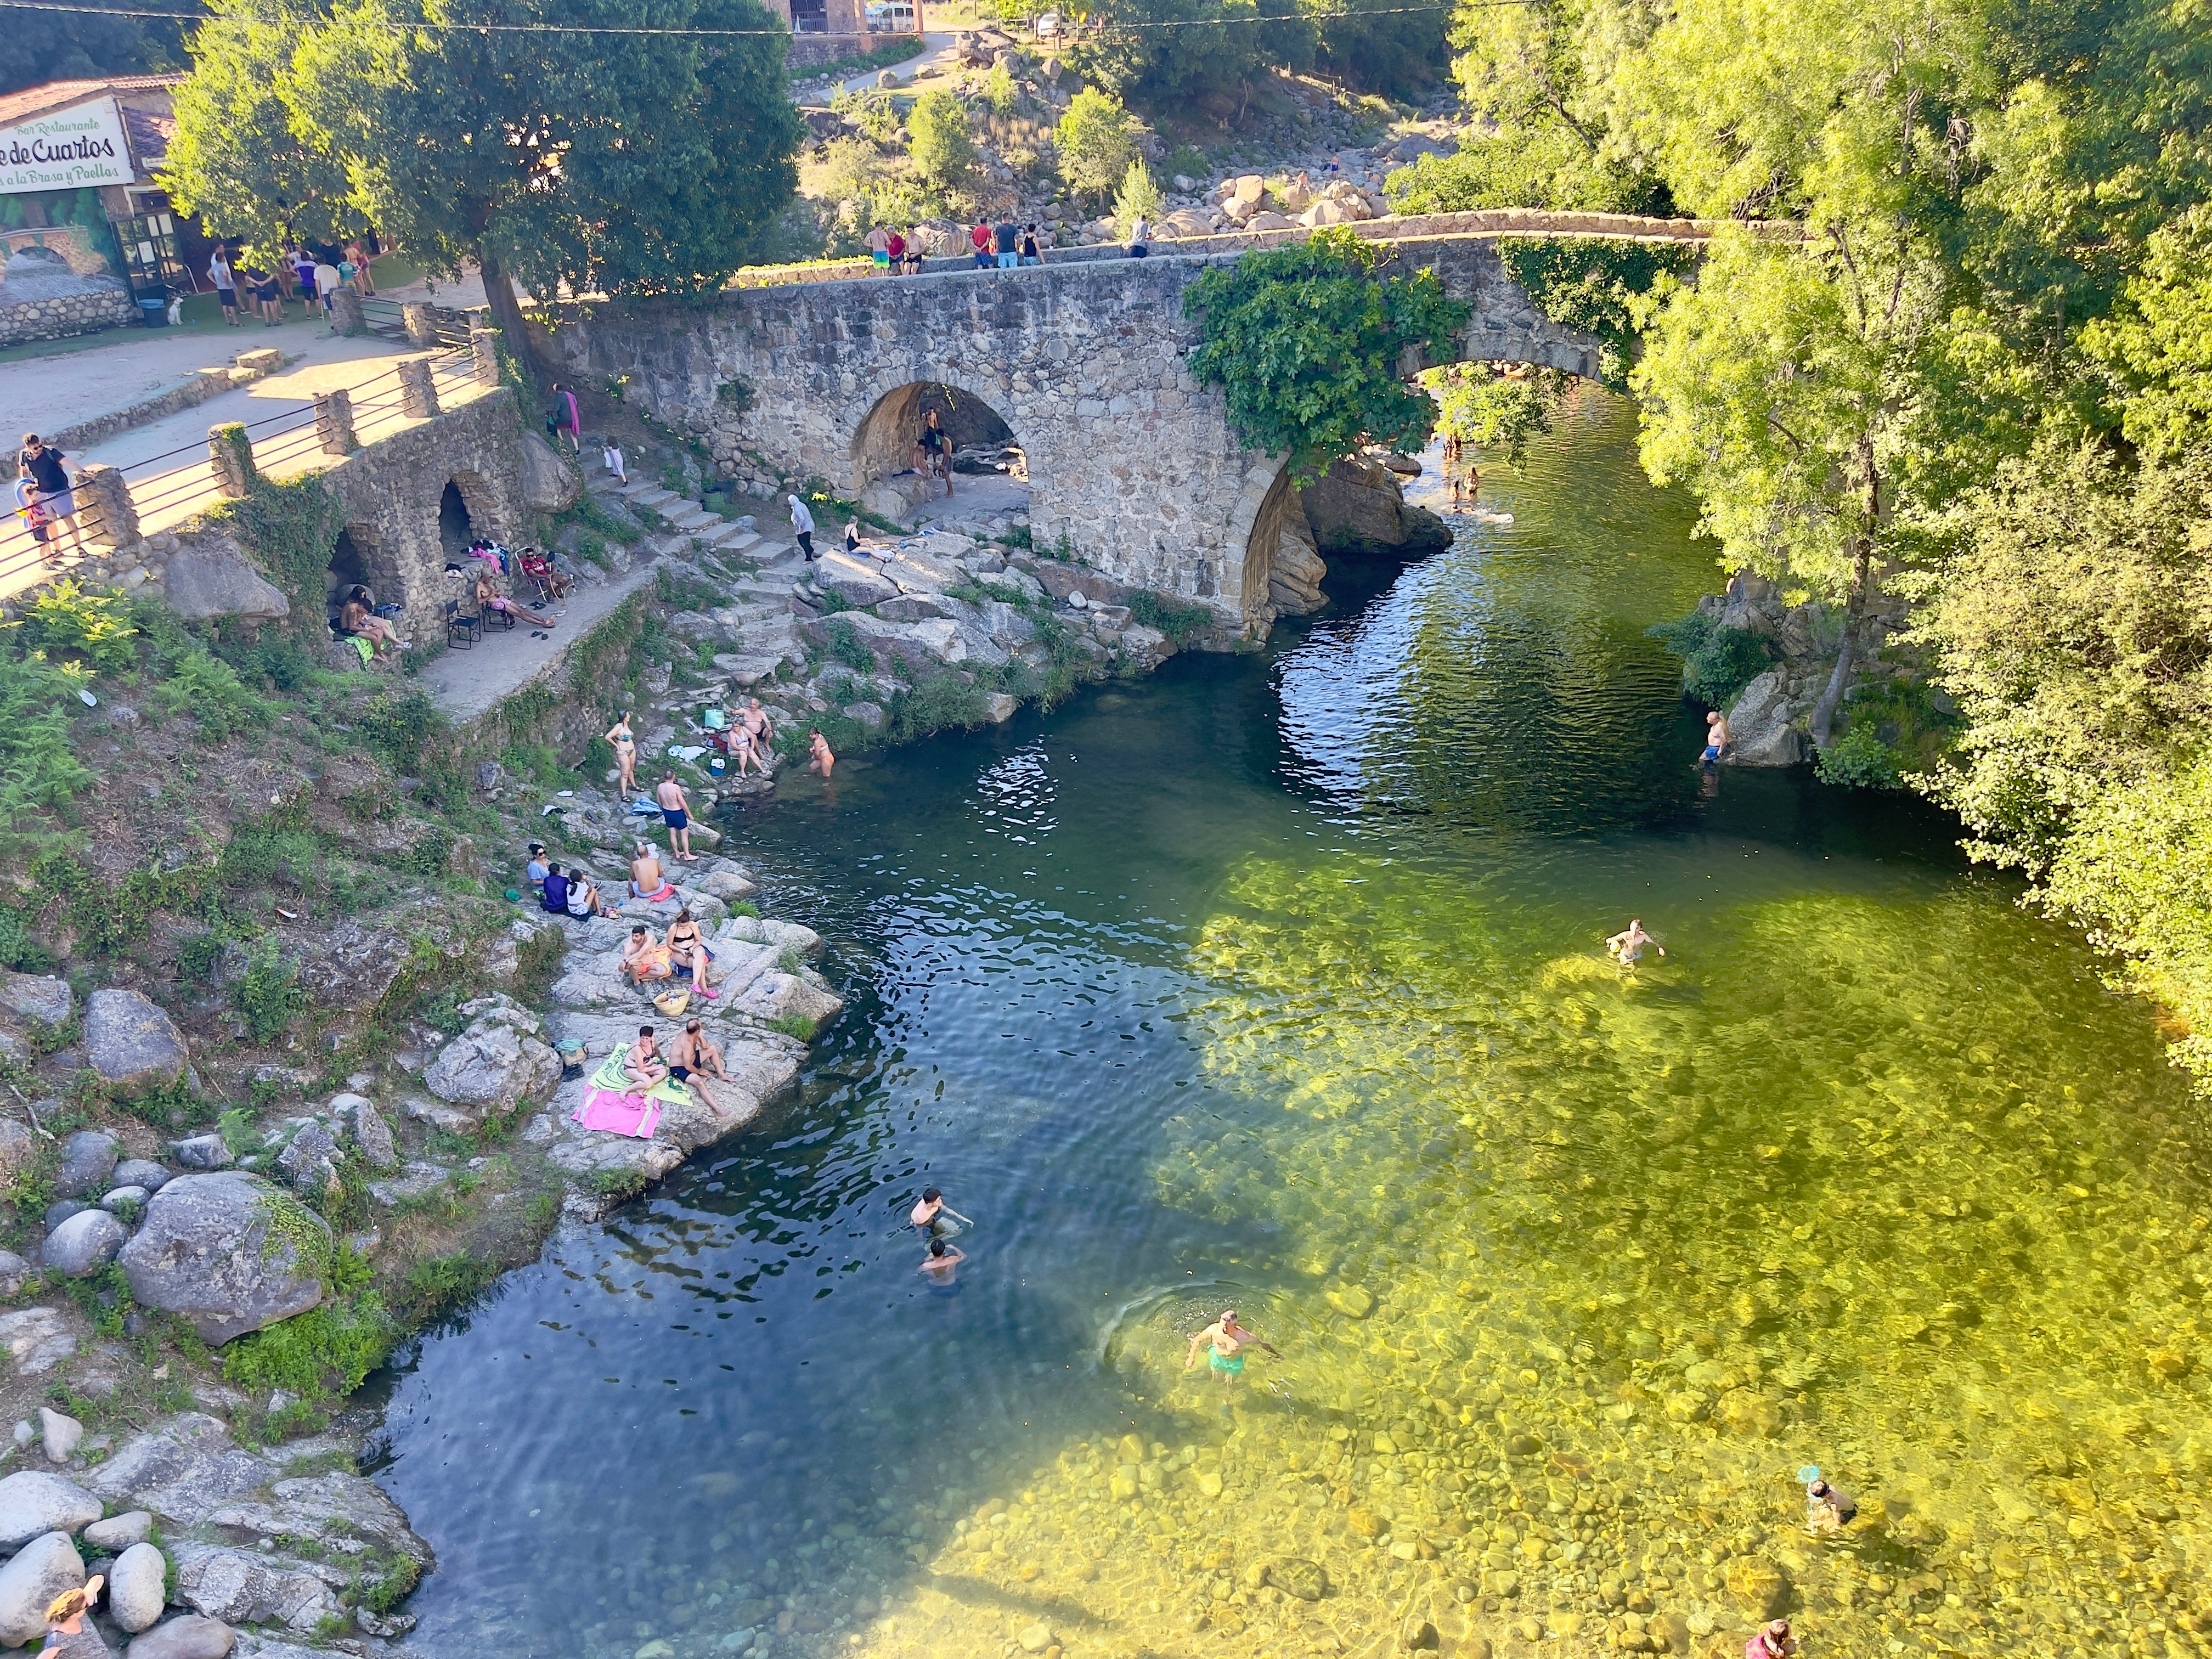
[(467, 508), (359, 555), (883, 442)]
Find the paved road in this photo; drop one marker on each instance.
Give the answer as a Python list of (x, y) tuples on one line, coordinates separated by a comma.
[(938, 59)]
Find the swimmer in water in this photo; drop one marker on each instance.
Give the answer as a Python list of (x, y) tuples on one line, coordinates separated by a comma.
[(1716, 737), (1230, 1340), (935, 1216), (1459, 495), (940, 1262), (1626, 945)]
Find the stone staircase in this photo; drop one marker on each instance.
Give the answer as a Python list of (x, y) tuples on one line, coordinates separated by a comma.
[(686, 516)]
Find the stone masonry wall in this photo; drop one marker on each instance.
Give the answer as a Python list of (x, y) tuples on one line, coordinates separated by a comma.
[(1131, 463), (105, 307)]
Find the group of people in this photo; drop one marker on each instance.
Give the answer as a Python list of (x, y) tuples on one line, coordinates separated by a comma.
[(1466, 484), (1004, 246), (317, 275), (46, 497), (692, 1057)]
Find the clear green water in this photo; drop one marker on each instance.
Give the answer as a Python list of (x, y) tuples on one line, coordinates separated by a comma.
[(1277, 981)]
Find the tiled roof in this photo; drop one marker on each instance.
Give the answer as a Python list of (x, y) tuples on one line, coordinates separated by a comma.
[(32, 102)]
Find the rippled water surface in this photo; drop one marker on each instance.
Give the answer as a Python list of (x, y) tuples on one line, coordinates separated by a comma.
[(1277, 981)]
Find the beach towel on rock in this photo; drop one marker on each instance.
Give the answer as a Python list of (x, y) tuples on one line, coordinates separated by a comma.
[(610, 1103)]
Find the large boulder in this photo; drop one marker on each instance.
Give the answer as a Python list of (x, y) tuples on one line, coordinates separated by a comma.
[(131, 1042), (210, 576), (851, 580), (242, 1586), (87, 1160), (1357, 506), (1760, 728), (136, 1588), (83, 1245), (1294, 579), (549, 483), (42, 1569), (191, 1637), (47, 1000), (500, 1060), (212, 1251), (32, 1502)]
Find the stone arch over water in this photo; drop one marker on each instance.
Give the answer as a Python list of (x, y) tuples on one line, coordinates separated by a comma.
[(883, 438)]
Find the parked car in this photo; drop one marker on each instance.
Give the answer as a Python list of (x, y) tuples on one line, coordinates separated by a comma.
[(1048, 26), (891, 17)]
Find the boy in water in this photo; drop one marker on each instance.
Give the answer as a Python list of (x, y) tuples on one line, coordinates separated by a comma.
[(935, 1217), (940, 1262), (1230, 1340), (1626, 945)]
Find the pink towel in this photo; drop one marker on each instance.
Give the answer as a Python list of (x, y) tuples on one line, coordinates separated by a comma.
[(667, 891), (623, 1115)]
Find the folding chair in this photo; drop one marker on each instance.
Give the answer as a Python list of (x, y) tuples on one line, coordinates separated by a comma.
[(461, 627)]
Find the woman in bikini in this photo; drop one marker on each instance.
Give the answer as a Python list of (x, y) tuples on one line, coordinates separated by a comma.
[(687, 948), (625, 752), (489, 597)]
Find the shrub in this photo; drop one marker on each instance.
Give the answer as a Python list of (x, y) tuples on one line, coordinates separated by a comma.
[(400, 728), (944, 151), (89, 622), (1137, 198), (38, 767), (794, 1025), (269, 995), (999, 91), (1096, 139), (1177, 618), (1189, 161), (1859, 760), (321, 1354), (847, 646), (938, 701), (209, 690), (1717, 662)]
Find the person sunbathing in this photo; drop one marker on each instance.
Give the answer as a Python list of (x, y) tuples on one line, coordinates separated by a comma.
[(645, 879), (643, 1064), (357, 620), (488, 598), (746, 748), (644, 957), (687, 948)]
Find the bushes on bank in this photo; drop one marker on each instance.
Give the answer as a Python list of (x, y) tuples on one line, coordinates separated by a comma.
[(1717, 662)]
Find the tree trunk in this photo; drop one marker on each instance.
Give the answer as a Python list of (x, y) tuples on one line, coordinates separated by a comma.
[(506, 313), (1824, 712)]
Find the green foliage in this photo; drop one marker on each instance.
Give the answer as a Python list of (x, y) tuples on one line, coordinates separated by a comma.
[(1717, 662), (1595, 285), (104, 1295), (1001, 95), (1480, 406), (1305, 338), (209, 690), (288, 529), (438, 1285), (320, 1355), (1541, 166), (269, 995), (874, 112), (538, 963), (794, 1025), (1179, 619), (1187, 160), (847, 646), (1096, 139), (944, 150), (607, 163), (1860, 760), (940, 701), (400, 728), (1137, 198), (67, 619), (38, 767), (888, 55)]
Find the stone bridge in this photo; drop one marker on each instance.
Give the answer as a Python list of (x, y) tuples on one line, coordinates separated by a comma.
[(1133, 465)]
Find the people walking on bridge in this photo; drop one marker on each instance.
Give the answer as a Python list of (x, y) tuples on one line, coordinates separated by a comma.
[(1031, 254), (802, 526), (1140, 238), (980, 240)]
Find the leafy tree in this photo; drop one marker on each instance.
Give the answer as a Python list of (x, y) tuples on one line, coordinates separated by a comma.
[(1480, 406), (572, 163), (1545, 165), (238, 158), (1596, 286), (1138, 196), (936, 129), (1096, 139), (89, 46), (1306, 340)]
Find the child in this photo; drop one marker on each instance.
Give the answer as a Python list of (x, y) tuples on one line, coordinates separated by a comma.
[(611, 452)]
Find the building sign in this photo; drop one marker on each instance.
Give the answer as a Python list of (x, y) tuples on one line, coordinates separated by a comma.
[(72, 148)]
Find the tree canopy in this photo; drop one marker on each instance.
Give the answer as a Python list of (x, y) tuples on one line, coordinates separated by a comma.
[(1307, 340), (571, 162)]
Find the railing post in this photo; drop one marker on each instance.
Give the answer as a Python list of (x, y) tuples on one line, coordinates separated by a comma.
[(230, 453), (483, 345), (346, 315), (114, 519), (422, 322), (418, 392), (334, 422)]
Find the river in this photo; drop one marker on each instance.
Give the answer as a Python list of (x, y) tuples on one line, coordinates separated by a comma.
[(1276, 981)]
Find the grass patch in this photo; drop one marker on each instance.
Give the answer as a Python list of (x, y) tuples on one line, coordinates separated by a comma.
[(795, 1025)]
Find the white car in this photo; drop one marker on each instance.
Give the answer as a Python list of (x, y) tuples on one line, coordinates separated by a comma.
[(891, 17), (1048, 26)]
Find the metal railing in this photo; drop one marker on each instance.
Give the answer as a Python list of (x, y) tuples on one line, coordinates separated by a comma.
[(169, 486)]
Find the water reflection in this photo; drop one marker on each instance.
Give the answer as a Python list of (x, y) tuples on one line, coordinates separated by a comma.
[(1276, 984)]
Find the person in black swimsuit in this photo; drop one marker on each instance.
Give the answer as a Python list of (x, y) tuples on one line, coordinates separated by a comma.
[(933, 451)]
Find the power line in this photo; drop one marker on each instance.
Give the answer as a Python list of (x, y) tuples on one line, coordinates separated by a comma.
[(76, 9)]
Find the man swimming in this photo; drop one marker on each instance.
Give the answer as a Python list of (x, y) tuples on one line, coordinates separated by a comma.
[(1626, 945), (1230, 1340), (937, 1218)]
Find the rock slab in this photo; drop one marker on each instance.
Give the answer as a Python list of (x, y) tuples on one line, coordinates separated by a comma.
[(207, 1252), (191, 1637), (131, 1042), (33, 1503)]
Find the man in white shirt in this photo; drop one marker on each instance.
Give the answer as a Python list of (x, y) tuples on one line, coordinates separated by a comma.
[(326, 283), (226, 286)]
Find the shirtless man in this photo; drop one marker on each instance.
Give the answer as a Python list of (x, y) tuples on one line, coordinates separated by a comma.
[(645, 879), (676, 812), (940, 1262), (692, 1059), (1230, 1340), (1716, 737), (934, 1216), (1626, 945), (755, 719), (644, 957), (643, 1064)]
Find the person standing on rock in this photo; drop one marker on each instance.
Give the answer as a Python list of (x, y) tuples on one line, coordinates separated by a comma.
[(755, 719), (802, 526), (1717, 737), (879, 249), (980, 240), (610, 455), (932, 450), (676, 813), (625, 747)]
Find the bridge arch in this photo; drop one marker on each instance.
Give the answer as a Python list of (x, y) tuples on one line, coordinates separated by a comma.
[(883, 438)]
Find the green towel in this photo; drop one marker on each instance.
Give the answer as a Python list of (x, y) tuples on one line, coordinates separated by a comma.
[(611, 1076), (367, 651)]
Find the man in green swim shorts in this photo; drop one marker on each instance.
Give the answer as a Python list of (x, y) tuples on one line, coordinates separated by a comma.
[(1230, 1340)]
